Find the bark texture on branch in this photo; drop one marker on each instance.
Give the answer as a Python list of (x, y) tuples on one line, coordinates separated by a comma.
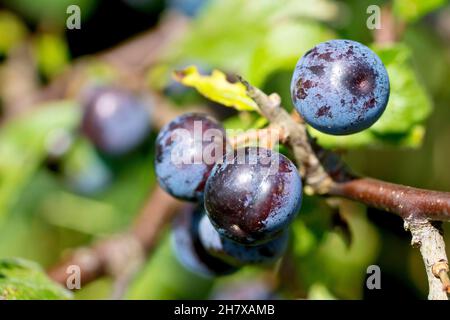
[(407, 202), (326, 174), (428, 238)]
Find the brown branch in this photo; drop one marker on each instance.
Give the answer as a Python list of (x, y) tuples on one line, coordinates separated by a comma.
[(113, 255), (324, 173), (267, 137), (407, 202), (428, 238), (18, 81)]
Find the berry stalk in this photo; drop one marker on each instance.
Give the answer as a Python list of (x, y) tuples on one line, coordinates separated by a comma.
[(326, 174)]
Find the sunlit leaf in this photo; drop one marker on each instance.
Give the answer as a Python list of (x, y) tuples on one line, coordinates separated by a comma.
[(217, 88)]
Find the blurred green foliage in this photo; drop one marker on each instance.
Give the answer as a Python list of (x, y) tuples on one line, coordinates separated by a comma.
[(52, 54), (12, 30), (25, 280), (22, 148), (42, 214), (411, 10), (51, 12)]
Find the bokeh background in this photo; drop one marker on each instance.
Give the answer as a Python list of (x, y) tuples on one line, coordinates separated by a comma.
[(46, 208)]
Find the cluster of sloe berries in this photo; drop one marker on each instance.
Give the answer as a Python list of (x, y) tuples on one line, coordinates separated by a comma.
[(245, 198)]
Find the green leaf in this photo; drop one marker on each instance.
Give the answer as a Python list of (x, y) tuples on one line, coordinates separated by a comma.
[(233, 44), (283, 45), (22, 147), (429, 57), (409, 106), (412, 10), (409, 103), (217, 88), (24, 280)]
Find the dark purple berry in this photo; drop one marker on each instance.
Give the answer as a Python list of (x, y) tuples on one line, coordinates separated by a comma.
[(253, 195), (115, 120), (188, 7), (186, 150), (188, 248), (340, 87)]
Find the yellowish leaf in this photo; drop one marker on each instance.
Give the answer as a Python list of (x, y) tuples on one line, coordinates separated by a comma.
[(217, 88)]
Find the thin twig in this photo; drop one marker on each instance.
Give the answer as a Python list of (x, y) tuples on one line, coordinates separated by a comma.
[(391, 28), (326, 174), (317, 178), (428, 238)]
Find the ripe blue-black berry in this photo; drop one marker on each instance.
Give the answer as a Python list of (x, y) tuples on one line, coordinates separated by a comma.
[(186, 150), (238, 254), (340, 87), (115, 120), (253, 195), (188, 248)]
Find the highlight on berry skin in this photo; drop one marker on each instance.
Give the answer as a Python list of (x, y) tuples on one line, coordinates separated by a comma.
[(246, 196), (186, 150), (115, 120), (340, 87), (253, 199)]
